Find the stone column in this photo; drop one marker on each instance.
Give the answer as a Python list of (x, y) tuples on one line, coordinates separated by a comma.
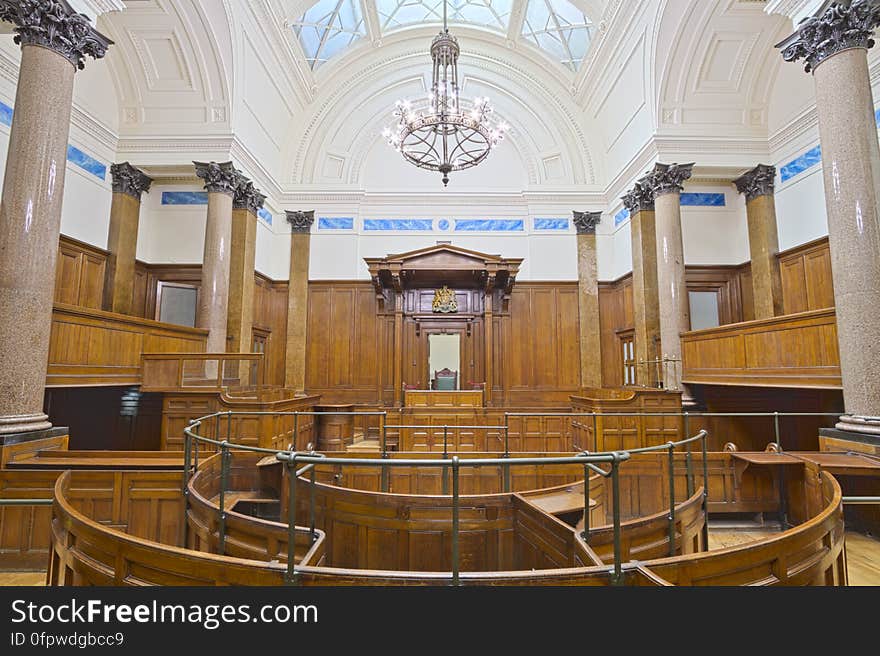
[(54, 40), (246, 202), (128, 185), (758, 187), (220, 183), (834, 44), (298, 300), (588, 298), (666, 184), (646, 308)]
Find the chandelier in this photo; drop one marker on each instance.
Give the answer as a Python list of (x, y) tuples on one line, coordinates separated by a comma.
[(446, 137)]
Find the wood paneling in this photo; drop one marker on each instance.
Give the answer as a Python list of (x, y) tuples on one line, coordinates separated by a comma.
[(92, 347), (615, 317), (727, 283), (79, 273), (792, 351), (270, 314), (806, 277)]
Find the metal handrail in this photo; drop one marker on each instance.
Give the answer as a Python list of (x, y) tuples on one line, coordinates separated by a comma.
[(861, 501), (590, 462), (26, 502)]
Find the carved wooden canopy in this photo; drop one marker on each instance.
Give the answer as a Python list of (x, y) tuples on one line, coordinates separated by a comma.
[(443, 265)]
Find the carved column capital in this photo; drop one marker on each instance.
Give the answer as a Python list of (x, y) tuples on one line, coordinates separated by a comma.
[(247, 196), (55, 25), (639, 198), (129, 180), (668, 178), (760, 181), (586, 222), (300, 222), (219, 178), (840, 26)]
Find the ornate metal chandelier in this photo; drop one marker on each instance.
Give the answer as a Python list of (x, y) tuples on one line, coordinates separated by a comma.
[(445, 137)]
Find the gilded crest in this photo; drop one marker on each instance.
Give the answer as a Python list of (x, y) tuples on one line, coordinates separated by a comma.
[(444, 301)]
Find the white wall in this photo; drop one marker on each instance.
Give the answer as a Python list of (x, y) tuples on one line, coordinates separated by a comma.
[(272, 252), (172, 234), (800, 209), (715, 235)]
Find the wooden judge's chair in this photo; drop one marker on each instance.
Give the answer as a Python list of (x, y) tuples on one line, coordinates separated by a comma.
[(445, 379)]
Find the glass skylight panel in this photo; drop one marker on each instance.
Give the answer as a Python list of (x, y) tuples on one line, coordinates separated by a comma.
[(327, 28), (560, 29), (493, 14)]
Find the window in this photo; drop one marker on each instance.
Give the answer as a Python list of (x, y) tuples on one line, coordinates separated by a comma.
[(704, 310), (176, 303), (627, 347), (560, 29)]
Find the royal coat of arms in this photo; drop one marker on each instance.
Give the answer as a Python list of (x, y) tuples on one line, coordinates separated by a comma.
[(444, 301)]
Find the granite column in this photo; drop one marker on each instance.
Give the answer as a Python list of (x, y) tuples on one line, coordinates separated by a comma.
[(128, 185), (220, 183), (298, 299), (54, 40), (588, 299), (758, 186), (834, 43)]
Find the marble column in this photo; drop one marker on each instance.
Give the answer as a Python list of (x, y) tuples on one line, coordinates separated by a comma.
[(666, 184), (128, 185), (220, 183), (834, 44), (54, 41), (646, 308), (758, 187), (588, 299), (298, 300), (246, 202)]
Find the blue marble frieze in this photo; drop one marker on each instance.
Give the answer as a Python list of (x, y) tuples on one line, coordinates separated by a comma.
[(489, 225), (184, 197), (702, 200), (335, 223), (395, 225), (551, 224), (5, 114), (86, 162), (621, 216), (797, 166), (266, 215)]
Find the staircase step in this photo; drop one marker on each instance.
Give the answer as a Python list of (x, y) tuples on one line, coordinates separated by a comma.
[(367, 446)]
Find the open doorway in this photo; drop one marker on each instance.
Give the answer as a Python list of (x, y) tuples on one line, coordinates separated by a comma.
[(444, 361)]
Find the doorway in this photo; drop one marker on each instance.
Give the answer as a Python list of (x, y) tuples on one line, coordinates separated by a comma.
[(444, 355)]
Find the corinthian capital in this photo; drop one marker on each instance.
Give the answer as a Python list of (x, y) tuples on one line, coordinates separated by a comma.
[(639, 198), (586, 222), (219, 178), (668, 178), (247, 196), (839, 27), (55, 25), (760, 181), (300, 221), (129, 180)]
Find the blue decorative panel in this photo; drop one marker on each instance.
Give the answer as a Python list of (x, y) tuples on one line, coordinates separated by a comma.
[(184, 197), (443, 224), (392, 225), (551, 224), (489, 225), (335, 223), (703, 200), (797, 166), (877, 117), (5, 114), (265, 214), (86, 162), (621, 216)]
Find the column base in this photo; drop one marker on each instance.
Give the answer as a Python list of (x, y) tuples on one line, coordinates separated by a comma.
[(835, 439), (859, 424), (13, 424), (8, 439)]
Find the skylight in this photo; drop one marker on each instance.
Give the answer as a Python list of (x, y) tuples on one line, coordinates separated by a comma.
[(327, 28), (557, 27), (560, 29), (494, 14)]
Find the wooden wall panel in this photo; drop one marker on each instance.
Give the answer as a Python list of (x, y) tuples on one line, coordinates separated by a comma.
[(79, 273), (615, 316), (806, 277)]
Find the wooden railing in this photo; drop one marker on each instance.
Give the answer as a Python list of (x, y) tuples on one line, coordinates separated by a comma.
[(204, 372), (91, 347), (798, 350)]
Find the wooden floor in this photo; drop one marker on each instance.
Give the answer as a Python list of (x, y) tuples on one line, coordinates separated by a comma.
[(862, 556)]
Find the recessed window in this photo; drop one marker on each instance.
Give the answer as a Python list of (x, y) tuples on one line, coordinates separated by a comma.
[(327, 28), (704, 310), (560, 29)]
